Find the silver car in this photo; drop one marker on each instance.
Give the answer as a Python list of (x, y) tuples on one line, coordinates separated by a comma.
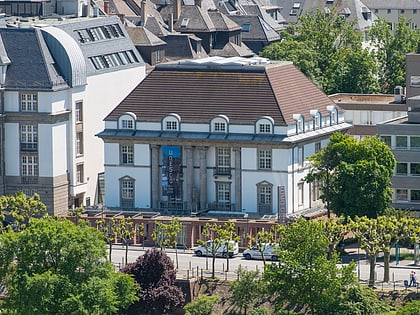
[(254, 253)]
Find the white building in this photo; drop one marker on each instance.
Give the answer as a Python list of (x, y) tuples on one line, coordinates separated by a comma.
[(218, 136), (55, 94)]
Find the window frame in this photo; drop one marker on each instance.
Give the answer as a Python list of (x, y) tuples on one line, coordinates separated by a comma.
[(265, 157), (29, 165), (28, 105), (126, 154), (223, 160)]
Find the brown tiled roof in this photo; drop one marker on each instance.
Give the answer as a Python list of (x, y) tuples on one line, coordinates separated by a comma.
[(243, 94)]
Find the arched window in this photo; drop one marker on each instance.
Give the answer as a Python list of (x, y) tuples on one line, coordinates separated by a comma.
[(127, 121), (264, 125), (220, 123), (127, 192), (316, 119), (171, 122), (265, 198)]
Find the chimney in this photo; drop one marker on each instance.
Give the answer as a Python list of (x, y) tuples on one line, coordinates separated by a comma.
[(143, 12), (177, 9), (197, 3), (106, 7), (171, 22)]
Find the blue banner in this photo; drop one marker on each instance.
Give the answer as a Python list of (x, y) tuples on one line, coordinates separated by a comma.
[(171, 170)]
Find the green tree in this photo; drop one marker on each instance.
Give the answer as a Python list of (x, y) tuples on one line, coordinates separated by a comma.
[(166, 235), (159, 234), (360, 300), (328, 50), (202, 305), (109, 230), (56, 267), (220, 235), (304, 275), (391, 49), (349, 168), (246, 289), (125, 230), (23, 208), (76, 214), (266, 238), (371, 240), (410, 308), (334, 229)]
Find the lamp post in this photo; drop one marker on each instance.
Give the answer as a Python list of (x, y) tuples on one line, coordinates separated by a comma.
[(246, 230)]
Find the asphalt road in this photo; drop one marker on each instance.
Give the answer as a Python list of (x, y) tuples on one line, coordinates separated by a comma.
[(189, 265)]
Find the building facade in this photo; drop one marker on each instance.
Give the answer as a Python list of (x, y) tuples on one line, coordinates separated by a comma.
[(219, 137), (55, 94)]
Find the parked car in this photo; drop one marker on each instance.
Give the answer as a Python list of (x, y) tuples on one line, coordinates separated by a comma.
[(222, 251), (255, 253)]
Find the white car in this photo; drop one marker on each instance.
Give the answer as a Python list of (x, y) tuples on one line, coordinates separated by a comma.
[(254, 253), (206, 250)]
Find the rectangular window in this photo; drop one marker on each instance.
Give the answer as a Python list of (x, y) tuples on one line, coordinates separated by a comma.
[(265, 128), (79, 174), (264, 195), (401, 169), (127, 154), (415, 196), (223, 160), (401, 195), (29, 102), (415, 80), (29, 165), (401, 142), (127, 189), (127, 124), (388, 11), (414, 143), (300, 194), (79, 143), (317, 147), (264, 159), (386, 140), (171, 125), (316, 191), (223, 192), (79, 112), (28, 137), (220, 126), (301, 155), (158, 58), (415, 169)]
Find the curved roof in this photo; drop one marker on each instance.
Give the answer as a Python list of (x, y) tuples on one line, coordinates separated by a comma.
[(68, 55)]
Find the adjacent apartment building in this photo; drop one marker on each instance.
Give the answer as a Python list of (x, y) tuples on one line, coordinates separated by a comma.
[(218, 136), (59, 79)]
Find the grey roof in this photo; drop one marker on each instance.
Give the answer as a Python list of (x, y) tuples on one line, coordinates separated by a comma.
[(258, 31), (393, 5), (254, 9), (194, 19), (101, 47), (179, 47), (355, 7), (157, 27), (223, 22), (232, 50), (37, 72), (142, 37)]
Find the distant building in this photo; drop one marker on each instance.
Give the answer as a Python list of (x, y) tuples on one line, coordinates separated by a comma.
[(218, 136), (58, 82)]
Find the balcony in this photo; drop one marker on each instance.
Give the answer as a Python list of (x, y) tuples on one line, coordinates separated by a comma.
[(222, 206), (222, 171), (29, 146), (29, 180)]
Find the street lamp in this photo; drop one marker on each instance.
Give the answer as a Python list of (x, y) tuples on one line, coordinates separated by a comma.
[(247, 228)]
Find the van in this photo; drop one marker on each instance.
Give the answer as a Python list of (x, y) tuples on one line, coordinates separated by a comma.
[(222, 251)]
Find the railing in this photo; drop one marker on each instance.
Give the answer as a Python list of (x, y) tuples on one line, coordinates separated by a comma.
[(32, 147), (223, 206), (29, 180)]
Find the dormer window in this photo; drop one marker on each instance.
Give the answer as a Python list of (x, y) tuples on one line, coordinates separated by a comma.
[(300, 123), (316, 119), (171, 122), (220, 124), (265, 125), (333, 115), (127, 120)]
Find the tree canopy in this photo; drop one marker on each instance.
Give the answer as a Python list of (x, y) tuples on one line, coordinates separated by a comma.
[(304, 275), (155, 273), (56, 267), (337, 57), (350, 168)]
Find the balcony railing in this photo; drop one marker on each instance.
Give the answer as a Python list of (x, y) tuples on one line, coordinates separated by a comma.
[(29, 180), (29, 147), (222, 206)]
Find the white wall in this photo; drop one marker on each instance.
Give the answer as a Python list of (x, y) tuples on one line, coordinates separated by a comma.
[(12, 149)]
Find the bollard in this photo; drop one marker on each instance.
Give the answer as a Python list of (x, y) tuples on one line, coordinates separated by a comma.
[(189, 264), (201, 274), (197, 271), (188, 274), (393, 280)]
